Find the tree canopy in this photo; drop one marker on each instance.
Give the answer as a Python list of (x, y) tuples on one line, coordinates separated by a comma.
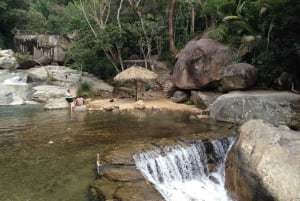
[(264, 33)]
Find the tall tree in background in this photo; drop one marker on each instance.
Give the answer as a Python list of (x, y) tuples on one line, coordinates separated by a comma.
[(171, 29), (10, 12)]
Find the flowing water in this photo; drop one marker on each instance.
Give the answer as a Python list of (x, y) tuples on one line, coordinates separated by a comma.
[(51, 155), (13, 87), (182, 173)]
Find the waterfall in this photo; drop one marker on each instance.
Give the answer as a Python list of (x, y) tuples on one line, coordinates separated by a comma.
[(13, 78), (193, 172), (13, 87)]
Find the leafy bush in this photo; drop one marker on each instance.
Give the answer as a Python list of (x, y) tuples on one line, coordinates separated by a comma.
[(85, 90), (21, 57)]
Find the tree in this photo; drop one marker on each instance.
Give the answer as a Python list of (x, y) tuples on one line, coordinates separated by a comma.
[(10, 11), (171, 29), (97, 13)]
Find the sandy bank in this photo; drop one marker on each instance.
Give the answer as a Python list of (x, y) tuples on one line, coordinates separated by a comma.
[(128, 104)]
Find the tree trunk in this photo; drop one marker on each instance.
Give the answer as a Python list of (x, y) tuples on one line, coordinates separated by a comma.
[(171, 31), (193, 21)]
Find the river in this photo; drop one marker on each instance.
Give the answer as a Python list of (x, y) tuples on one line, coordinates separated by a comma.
[(51, 155)]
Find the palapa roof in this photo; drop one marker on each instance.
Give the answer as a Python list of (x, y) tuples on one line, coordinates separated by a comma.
[(135, 73)]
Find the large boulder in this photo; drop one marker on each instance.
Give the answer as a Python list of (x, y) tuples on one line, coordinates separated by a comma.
[(45, 93), (7, 60), (238, 107), (200, 64), (56, 103), (6, 53), (203, 99), (264, 163), (238, 77)]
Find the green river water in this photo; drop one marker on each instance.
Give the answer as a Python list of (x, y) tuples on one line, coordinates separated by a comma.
[(51, 155)]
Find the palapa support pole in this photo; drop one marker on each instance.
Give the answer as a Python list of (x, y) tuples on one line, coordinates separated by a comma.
[(136, 86)]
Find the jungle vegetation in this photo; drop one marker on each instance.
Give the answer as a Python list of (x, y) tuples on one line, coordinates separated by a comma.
[(265, 33)]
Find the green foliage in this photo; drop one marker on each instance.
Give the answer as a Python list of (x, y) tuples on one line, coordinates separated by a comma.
[(274, 24), (274, 31), (22, 57), (43, 7), (85, 90), (2, 41), (218, 33), (50, 77)]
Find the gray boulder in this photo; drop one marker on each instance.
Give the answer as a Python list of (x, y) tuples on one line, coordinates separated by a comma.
[(203, 100), (180, 96), (264, 163), (56, 103), (45, 93), (8, 62), (6, 53), (238, 77), (200, 64), (239, 107)]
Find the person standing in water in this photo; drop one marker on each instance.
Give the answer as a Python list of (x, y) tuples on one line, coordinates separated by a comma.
[(69, 97)]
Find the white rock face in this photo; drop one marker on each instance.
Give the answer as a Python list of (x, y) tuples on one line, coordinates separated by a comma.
[(49, 83), (56, 103), (8, 62), (44, 93)]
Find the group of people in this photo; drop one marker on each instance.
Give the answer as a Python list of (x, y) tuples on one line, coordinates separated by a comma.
[(77, 101)]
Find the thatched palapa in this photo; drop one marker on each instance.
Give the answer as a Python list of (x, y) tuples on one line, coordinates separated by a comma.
[(135, 73)]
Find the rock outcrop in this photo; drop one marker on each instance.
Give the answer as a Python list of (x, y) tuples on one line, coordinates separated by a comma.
[(238, 77), (46, 84), (238, 107), (207, 64), (264, 163), (7, 60), (200, 64), (44, 93), (66, 77), (44, 48), (203, 100)]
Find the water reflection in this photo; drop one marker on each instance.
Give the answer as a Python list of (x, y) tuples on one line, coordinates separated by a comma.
[(50, 155)]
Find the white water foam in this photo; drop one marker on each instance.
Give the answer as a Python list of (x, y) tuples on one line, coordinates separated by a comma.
[(182, 174), (13, 88), (15, 80)]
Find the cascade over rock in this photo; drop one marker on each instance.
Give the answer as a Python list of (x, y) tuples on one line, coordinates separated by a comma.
[(13, 88), (182, 173)]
